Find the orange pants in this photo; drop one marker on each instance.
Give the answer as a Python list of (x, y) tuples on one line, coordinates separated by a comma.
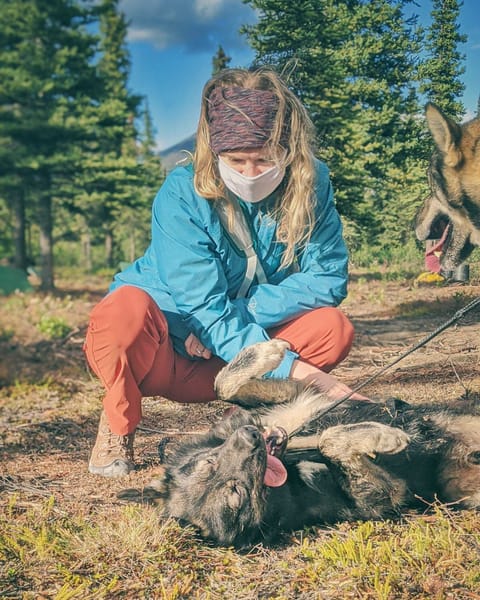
[(128, 347)]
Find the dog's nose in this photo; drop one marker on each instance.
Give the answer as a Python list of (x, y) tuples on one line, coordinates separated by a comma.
[(250, 434)]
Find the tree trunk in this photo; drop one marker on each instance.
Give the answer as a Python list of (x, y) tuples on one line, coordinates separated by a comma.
[(87, 249), (109, 249), (19, 238), (132, 246), (46, 242)]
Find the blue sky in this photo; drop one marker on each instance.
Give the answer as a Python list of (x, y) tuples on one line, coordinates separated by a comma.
[(172, 43)]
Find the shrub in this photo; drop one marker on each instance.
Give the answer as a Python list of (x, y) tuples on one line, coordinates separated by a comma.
[(53, 327)]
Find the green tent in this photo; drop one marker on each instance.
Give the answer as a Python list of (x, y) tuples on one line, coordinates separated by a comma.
[(12, 279)]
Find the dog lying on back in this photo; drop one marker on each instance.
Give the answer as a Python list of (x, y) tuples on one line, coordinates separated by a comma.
[(274, 465), (454, 178)]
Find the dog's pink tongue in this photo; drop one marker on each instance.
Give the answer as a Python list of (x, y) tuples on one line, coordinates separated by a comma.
[(276, 473)]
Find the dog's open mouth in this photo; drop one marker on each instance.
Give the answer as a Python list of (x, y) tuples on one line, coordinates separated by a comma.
[(275, 441)]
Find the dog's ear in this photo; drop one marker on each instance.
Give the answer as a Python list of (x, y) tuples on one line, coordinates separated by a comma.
[(154, 493), (446, 134)]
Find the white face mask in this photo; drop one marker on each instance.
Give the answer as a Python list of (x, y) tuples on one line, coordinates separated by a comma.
[(251, 189)]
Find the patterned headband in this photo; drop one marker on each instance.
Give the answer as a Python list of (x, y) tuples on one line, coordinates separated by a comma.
[(240, 118)]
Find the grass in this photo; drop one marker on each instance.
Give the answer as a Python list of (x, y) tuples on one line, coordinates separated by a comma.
[(384, 560), (64, 535), (130, 554)]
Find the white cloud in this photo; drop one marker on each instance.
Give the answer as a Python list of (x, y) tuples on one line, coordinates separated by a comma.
[(195, 25), (208, 9)]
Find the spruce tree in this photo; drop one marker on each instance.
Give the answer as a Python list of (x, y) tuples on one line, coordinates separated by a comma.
[(134, 220), (440, 74), (46, 73), (220, 60), (149, 158), (352, 64), (110, 174), (71, 164)]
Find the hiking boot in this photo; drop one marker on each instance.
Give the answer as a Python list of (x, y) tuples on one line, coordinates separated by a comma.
[(112, 455)]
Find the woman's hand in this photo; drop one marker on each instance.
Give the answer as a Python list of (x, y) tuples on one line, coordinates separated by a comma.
[(194, 347), (334, 389)]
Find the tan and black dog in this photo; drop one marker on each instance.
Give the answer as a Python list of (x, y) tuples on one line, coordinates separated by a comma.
[(454, 178), (274, 465)]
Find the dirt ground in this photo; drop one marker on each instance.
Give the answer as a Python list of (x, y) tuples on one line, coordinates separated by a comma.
[(50, 402)]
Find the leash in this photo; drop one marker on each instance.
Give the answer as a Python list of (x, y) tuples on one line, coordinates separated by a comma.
[(456, 317)]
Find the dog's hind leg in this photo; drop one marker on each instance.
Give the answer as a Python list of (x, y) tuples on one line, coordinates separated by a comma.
[(366, 438), (343, 441), (349, 450)]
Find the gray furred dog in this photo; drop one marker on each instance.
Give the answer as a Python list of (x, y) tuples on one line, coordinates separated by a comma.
[(454, 178), (249, 479)]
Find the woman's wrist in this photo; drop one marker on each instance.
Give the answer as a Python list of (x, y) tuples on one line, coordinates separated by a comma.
[(301, 370), (312, 374), (326, 383)]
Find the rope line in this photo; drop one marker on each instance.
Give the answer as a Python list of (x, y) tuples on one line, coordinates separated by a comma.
[(456, 317)]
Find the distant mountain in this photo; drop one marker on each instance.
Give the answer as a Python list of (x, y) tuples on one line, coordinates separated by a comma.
[(171, 156)]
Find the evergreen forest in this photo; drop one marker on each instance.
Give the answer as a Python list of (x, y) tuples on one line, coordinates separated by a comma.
[(78, 164)]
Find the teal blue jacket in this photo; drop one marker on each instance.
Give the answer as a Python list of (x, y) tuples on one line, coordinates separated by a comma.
[(192, 269)]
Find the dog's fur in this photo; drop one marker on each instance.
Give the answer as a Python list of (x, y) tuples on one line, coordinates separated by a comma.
[(361, 460), (454, 178)]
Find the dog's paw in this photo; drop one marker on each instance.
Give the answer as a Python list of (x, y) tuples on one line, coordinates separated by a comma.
[(250, 363), (368, 438), (389, 440), (266, 356)]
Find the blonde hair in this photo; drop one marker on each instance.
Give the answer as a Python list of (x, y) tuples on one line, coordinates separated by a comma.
[(294, 210)]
